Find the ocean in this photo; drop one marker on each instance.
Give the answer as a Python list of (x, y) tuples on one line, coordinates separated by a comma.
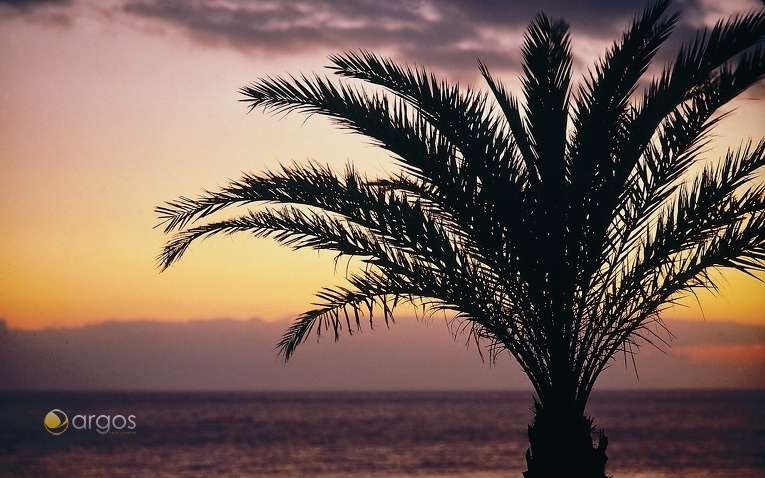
[(652, 434)]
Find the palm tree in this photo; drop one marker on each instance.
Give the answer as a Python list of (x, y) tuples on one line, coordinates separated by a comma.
[(556, 229)]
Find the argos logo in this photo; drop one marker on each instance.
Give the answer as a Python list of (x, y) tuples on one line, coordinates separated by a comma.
[(56, 422)]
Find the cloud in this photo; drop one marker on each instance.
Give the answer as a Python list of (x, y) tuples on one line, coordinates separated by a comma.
[(708, 12), (690, 333), (445, 35), (240, 355), (707, 353), (27, 5), (701, 355), (49, 12), (720, 343)]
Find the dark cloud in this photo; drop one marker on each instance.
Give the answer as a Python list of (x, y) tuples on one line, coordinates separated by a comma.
[(31, 4), (441, 35), (52, 12), (448, 34), (240, 355)]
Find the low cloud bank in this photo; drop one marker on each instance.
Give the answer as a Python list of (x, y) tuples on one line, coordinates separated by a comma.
[(240, 355)]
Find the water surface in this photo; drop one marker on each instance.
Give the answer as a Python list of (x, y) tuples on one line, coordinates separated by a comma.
[(708, 434)]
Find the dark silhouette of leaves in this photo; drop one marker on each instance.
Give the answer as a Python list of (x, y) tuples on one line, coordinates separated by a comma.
[(556, 228)]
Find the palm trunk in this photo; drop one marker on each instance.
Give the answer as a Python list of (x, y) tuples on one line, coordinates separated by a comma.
[(561, 444)]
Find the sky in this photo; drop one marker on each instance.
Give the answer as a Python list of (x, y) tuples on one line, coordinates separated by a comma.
[(110, 108)]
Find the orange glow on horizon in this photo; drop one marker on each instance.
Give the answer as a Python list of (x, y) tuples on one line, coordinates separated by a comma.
[(709, 353)]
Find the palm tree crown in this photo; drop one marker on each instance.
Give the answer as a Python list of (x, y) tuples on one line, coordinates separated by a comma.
[(556, 228)]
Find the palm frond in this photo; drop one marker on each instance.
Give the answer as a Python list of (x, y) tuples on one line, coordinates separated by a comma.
[(696, 64), (509, 106), (691, 89), (464, 118), (333, 313), (547, 73), (390, 124), (712, 224), (603, 99)]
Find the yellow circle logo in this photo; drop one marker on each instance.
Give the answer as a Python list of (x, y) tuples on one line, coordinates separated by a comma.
[(56, 422)]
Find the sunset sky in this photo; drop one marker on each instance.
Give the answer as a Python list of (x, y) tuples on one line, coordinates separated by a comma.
[(110, 108)]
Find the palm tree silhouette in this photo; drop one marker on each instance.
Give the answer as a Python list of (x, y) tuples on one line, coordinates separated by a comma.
[(557, 229)]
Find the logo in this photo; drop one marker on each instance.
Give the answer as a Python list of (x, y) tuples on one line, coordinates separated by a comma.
[(56, 422)]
